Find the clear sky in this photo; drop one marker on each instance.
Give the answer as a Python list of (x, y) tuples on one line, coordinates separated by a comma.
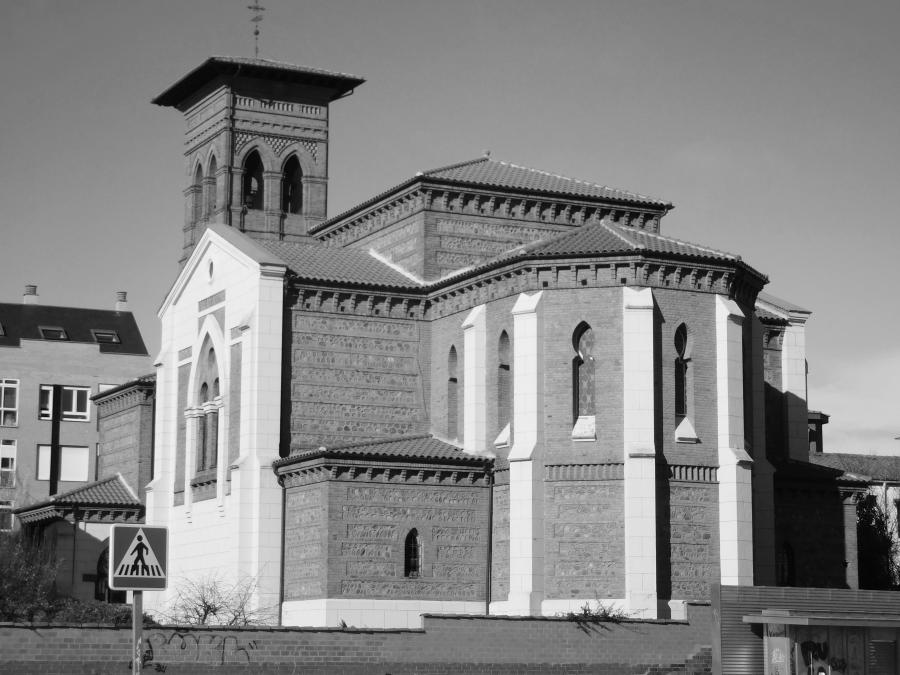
[(773, 126)]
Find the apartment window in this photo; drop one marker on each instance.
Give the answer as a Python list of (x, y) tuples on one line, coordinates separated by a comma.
[(75, 405), (6, 515), (53, 333), (7, 463), (106, 336), (9, 403), (74, 461)]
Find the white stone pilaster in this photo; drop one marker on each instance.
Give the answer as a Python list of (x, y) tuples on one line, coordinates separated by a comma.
[(735, 465), (474, 327), (793, 381), (639, 453), (526, 469)]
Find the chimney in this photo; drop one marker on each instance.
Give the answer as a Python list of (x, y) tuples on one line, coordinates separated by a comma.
[(121, 301), (31, 296)]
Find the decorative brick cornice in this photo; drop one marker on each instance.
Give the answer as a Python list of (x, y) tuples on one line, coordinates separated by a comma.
[(686, 473), (568, 472), (397, 472)]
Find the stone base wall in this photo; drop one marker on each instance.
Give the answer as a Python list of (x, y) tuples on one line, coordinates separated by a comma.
[(498, 646)]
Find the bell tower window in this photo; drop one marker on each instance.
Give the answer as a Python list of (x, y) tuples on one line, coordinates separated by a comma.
[(210, 184), (292, 186), (197, 196), (253, 182)]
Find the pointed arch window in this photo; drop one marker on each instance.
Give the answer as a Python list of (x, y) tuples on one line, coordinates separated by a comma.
[(683, 377), (452, 395), (583, 386), (411, 555), (504, 390), (207, 411), (211, 196), (253, 182), (197, 195), (292, 186)]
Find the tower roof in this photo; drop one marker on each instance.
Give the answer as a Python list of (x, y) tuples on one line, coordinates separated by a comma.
[(339, 84)]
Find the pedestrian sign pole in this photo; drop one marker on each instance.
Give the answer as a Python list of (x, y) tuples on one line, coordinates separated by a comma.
[(138, 562)]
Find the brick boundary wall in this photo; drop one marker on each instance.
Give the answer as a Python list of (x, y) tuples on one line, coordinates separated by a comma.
[(446, 645)]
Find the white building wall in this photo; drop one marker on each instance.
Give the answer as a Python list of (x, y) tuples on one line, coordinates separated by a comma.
[(236, 537)]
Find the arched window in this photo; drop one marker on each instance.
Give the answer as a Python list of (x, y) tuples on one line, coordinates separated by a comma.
[(504, 382), (583, 372), (292, 186), (253, 182), (211, 197), (208, 423), (452, 396), (411, 554), (197, 196), (682, 363)]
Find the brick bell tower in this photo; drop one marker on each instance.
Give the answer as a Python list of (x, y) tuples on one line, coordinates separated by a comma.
[(256, 145)]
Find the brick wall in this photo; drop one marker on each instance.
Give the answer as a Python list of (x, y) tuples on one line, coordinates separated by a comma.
[(498, 646), (354, 378), (585, 539), (369, 523), (125, 427), (305, 541)]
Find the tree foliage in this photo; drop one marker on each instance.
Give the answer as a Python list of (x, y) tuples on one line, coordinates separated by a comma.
[(878, 545), (27, 578)]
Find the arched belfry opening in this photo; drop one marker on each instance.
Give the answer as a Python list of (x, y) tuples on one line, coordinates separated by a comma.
[(211, 189), (253, 186), (292, 187), (196, 195)]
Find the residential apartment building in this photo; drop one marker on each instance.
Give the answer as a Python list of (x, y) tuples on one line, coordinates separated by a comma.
[(52, 361)]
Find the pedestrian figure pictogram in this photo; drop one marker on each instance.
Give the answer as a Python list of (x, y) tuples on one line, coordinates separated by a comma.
[(139, 560)]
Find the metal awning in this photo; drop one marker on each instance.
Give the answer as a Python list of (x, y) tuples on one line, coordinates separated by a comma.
[(846, 619)]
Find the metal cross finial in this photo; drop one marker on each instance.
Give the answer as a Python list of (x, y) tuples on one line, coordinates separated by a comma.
[(257, 10)]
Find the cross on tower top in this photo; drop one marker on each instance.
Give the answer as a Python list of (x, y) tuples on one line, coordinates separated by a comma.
[(257, 17)]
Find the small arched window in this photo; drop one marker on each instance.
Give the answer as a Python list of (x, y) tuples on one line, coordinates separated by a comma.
[(504, 382), (197, 195), (253, 182), (452, 395), (583, 394), (411, 551), (292, 187), (211, 196), (682, 363)]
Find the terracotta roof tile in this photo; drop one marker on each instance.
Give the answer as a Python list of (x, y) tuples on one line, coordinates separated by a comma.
[(608, 238), (319, 262), (494, 173), (112, 491), (408, 447), (878, 467)]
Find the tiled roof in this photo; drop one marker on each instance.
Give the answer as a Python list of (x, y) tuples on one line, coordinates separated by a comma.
[(489, 172), (110, 492), (880, 468), (319, 262), (485, 172), (608, 238), (778, 303), (407, 447), (339, 83), (21, 321)]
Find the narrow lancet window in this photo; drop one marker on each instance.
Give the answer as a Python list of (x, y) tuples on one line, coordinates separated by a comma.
[(583, 371), (504, 382), (452, 396), (411, 554), (253, 182), (292, 187)]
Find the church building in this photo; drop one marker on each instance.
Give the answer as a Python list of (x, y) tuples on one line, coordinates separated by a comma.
[(486, 390)]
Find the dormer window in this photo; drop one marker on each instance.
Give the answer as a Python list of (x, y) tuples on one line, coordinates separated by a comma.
[(106, 336), (53, 333)]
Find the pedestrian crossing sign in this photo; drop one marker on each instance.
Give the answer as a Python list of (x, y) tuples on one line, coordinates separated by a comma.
[(138, 558)]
